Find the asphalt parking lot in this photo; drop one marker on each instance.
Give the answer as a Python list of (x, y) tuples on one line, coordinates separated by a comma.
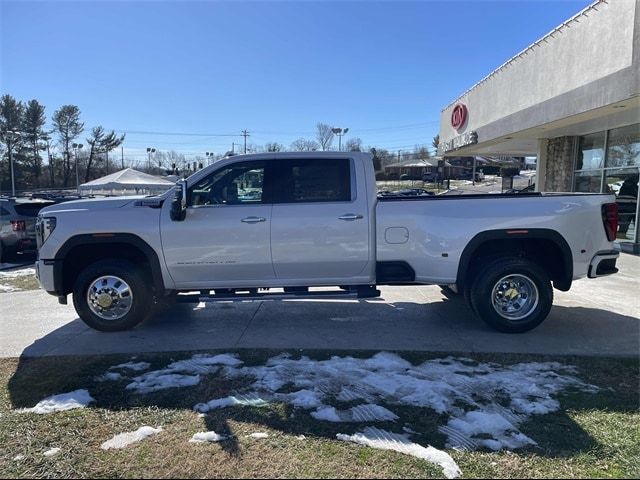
[(597, 317)]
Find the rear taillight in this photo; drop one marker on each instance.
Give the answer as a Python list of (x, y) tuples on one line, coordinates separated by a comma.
[(18, 225), (610, 220)]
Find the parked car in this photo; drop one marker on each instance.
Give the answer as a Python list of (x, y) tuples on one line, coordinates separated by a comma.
[(17, 225), (469, 176), (319, 223), (430, 177)]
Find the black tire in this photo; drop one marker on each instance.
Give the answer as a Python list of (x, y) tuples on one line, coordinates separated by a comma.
[(481, 294), (133, 275)]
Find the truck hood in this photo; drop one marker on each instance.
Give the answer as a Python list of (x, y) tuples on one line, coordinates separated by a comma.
[(94, 204)]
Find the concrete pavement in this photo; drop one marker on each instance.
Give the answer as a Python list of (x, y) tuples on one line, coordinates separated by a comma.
[(597, 317)]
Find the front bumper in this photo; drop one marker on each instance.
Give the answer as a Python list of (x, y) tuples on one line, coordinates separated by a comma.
[(603, 263), (44, 273)]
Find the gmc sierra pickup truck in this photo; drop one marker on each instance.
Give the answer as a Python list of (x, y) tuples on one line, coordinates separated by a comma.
[(278, 225)]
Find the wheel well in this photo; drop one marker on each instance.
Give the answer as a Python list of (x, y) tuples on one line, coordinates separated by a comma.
[(80, 256), (545, 252)]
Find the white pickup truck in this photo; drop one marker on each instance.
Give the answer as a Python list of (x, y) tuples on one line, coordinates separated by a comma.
[(280, 224)]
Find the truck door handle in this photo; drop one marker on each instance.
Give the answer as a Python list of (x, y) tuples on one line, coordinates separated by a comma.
[(253, 219), (350, 217)]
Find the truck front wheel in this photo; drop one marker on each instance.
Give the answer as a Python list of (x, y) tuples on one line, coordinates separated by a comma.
[(112, 295), (513, 295)]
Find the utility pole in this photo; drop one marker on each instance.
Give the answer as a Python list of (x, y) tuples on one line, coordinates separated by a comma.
[(107, 159), (122, 156), (339, 132), (245, 134), (474, 171)]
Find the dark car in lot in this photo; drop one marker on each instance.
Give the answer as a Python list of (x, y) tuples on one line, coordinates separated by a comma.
[(18, 224)]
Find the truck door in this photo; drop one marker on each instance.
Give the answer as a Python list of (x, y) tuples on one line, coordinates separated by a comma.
[(320, 223), (224, 239)]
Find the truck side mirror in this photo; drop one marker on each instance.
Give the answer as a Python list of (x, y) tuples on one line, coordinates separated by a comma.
[(179, 203)]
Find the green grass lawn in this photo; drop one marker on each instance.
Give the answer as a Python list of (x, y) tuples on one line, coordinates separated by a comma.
[(592, 435)]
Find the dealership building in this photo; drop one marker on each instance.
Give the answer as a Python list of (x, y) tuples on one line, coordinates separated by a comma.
[(572, 100)]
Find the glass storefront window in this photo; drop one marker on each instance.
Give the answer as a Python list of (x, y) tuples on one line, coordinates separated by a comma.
[(624, 183), (624, 147), (591, 151), (590, 181)]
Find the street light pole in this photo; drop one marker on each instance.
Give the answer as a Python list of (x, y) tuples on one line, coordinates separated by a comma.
[(76, 148), (340, 132), (150, 150)]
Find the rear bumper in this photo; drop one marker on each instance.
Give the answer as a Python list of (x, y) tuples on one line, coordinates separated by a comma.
[(603, 263)]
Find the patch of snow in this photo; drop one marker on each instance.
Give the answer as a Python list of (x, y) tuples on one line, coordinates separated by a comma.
[(124, 439), (210, 437), (23, 272), (359, 413), (483, 403), (251, 400), (135, 366), (301, 437), (153, 382), (52, 452), (258, 435), (329, 414), (383, 440), (62, 402), (18, 458), (8, 288), (109, 377), (183, 373)]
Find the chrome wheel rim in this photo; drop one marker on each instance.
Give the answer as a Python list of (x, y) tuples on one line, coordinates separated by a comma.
[(515, 297), (110, 297)]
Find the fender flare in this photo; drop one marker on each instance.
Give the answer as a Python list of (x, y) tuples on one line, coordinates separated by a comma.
[(102, 239), (563, 284)]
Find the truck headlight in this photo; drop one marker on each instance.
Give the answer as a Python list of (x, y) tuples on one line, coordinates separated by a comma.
[(44, 227)]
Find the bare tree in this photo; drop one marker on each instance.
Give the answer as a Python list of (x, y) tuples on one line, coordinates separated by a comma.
[(67, 124), (274, 147), (304, 145), (324, 135), (353, 145), (436, 142)]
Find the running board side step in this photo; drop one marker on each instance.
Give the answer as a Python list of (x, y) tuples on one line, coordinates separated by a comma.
[(353, 293)]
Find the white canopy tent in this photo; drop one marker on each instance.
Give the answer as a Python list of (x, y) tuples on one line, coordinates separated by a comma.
[(125, 182)]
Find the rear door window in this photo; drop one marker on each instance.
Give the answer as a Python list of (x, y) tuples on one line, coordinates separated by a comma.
[(313, 180)]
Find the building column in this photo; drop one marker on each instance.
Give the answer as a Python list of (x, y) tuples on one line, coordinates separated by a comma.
[(558, 164), (541, 165)]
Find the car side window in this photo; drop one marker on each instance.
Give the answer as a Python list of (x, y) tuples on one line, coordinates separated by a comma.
[(236, 184), (313, 180)]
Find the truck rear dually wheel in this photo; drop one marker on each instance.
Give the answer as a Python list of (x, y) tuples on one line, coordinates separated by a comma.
[(112, 295), (513, 295)]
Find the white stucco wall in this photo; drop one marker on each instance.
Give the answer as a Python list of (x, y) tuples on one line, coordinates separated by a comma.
[(596, 43)]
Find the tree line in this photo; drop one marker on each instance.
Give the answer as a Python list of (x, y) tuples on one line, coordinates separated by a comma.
[(25, 143), (52, 158)]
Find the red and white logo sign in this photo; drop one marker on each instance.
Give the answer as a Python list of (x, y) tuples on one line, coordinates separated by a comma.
[(458, 116)]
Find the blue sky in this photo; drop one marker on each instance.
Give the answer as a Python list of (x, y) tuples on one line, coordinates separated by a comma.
[(383, 69)]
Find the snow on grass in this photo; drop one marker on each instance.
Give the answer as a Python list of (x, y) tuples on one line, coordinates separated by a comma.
[(122, 440), (484, 402), (135, 366), (62, 402), (250, 400), (359, 413), (183, 373), (258, 435), (109, 377), (383, 440), (52, 452), (207, 437), (17, 273)]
